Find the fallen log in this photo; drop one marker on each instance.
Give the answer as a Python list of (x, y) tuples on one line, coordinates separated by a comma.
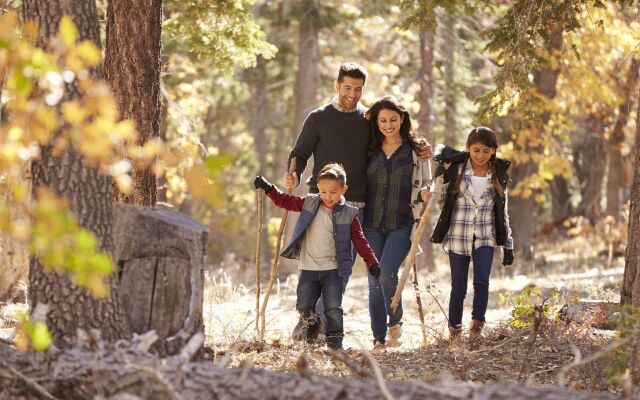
[(128, 370)]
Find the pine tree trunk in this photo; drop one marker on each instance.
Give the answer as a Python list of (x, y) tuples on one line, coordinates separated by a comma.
[(306, 92), (132, 68), (617, 140), (630, 293), (590, 160), (449, 42), (425, 122), (88, 194)]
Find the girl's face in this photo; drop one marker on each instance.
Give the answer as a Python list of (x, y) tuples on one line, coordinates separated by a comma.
[(480, 154), (389, 122)]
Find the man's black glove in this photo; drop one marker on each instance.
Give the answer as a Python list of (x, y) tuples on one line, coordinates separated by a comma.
[(507, 257), (261, 183), (374, 270)]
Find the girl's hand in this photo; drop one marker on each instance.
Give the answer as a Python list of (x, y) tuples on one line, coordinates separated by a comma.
[(425, 195), (507, 256)]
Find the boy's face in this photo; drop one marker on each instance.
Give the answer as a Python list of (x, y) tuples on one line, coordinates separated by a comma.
[(349, 92), (330, 191)]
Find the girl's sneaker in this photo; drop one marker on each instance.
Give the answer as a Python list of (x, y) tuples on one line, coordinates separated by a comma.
[(393, 336)]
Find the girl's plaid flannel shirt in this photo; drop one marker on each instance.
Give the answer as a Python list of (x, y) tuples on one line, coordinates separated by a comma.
[(470, 219)]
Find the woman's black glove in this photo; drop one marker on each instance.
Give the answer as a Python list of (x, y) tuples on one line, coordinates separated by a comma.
[(507, 257), (374, 270), (261, 183)]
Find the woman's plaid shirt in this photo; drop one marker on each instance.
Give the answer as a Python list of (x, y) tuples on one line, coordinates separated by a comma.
[(471, 219)]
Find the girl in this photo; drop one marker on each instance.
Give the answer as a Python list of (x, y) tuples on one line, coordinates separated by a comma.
[(397, 182), (473, 222)]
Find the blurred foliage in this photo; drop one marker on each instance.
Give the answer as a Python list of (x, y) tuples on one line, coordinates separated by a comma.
[(626, 358), (39, 114), (32, 334), (524, 303)]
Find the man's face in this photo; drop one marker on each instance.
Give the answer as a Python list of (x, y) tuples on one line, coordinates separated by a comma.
[(349, 92)]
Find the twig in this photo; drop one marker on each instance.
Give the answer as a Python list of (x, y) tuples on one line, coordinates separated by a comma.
[(579, 361), (538, 316), (498, 345), (419, 302), (258, 251), (276, 258), (439, 306), (361, 372), (378, 375), (37, 388), (415, 241)]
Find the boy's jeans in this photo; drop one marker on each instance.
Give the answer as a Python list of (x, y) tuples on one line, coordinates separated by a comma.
[(482, 258), (311, 284), (391, 248), (319, 307)]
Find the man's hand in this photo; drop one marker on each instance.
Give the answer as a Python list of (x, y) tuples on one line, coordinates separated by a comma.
[(290, 181), (507, 257), (261, 183), (374, 270)]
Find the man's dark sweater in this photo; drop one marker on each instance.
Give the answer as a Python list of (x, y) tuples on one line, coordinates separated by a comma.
[(335, 136)]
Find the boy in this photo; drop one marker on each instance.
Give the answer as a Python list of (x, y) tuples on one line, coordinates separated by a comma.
[(322, 241)]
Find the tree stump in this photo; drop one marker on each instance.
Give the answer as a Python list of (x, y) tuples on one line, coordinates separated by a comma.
[(160, 258)]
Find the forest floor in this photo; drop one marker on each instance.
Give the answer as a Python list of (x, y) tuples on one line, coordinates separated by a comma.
[(570, 271)]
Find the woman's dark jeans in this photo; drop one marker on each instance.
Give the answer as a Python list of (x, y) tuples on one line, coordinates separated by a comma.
[(391, 248), (482, 258)]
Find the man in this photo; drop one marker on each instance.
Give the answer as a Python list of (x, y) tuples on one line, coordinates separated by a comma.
[(338, 132)]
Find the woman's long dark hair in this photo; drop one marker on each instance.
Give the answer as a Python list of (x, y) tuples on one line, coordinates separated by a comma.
[(486, 137), (407, 134)]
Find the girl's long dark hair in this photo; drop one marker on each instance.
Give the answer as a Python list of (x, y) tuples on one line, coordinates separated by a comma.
[(407, 134), (486, 137)]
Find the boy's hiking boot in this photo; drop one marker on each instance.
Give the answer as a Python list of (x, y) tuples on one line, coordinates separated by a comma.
[(296, 335), (455, 332), (393, 336), (307, 329), (475, 333)]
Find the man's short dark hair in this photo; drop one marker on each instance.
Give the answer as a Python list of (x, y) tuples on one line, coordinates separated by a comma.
[(352, 70)]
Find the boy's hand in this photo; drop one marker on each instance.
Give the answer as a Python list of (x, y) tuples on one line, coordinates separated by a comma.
[(374, 270), (261, 183), (507, 257), (290, 181)]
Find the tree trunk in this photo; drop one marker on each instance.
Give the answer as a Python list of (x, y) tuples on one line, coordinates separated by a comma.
[(89, 197), (449, 42), (616, 142), (631, 282), (590, 160), (306, 92), (259, 122), (425, 123), (132, 373), (132, 68)]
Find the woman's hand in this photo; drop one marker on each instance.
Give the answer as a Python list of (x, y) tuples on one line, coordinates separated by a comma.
[(425, 195)]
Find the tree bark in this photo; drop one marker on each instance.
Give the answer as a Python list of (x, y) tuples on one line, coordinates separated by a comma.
[(425, 123), (88, 194), (617, 140), (590, 162), (132, 68), (630, 293), (449, 42), (124, 372)]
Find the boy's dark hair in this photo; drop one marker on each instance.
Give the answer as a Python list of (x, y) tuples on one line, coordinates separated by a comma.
[(333, 171), (352, 70)]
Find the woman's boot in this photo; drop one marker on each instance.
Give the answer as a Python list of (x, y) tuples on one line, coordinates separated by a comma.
[(475, 332)]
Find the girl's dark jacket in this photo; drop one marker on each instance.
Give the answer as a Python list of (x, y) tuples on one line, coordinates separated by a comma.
[(456, 158)]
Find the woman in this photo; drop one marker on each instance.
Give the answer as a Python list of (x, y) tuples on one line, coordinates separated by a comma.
[(398, 185)]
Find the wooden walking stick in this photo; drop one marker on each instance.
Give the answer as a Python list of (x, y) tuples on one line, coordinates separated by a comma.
[(258, 250), (416, 287), (276, 258), (411, 257)]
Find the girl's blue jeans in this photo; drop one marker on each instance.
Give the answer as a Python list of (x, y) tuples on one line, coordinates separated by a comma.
[(482, 258), (391, 248)]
